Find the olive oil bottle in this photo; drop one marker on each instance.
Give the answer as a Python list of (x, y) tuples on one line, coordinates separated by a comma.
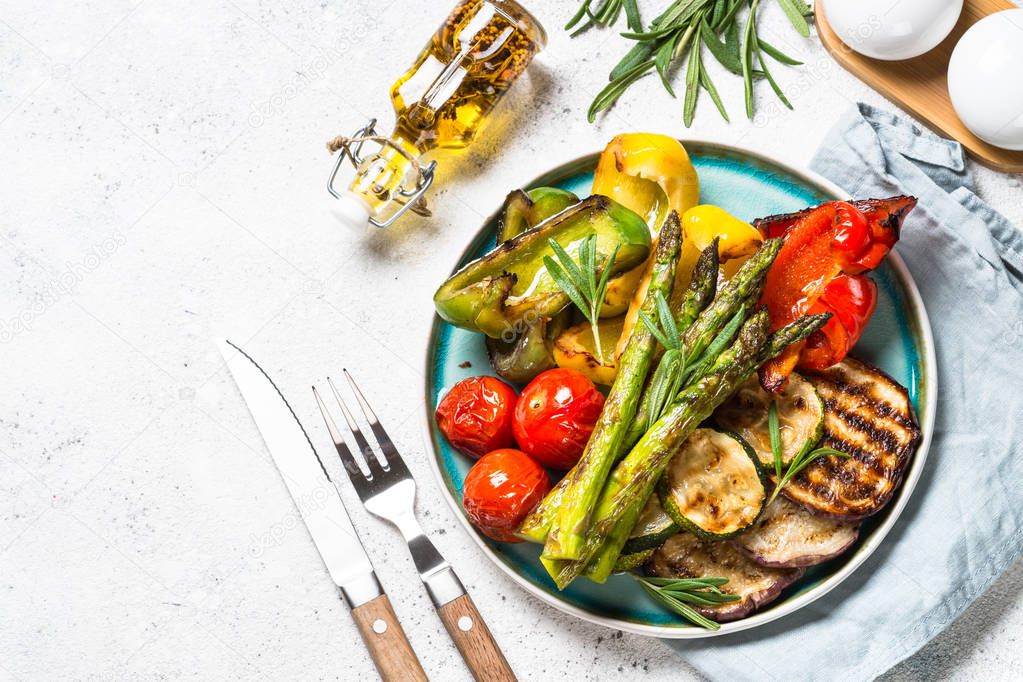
[(439, 103)]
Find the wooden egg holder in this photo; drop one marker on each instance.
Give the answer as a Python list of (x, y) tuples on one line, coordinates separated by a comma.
[(920, 85)]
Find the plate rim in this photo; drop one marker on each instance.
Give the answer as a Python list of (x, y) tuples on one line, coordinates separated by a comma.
[(863, 552)]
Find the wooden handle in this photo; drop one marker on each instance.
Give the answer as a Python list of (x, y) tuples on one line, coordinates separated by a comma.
[(474, 641), (386, 641)]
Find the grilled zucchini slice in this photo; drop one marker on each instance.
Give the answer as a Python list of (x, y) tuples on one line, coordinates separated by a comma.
[(687, 556), (800, 418), (713, 487), (652, 529)]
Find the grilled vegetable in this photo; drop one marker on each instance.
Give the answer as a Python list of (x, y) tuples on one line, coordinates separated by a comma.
[(652, 529), (852, 299), (800, 418), (632, 561), (499, 491), (652, 175), (524, 210), (620, 291), (686, 556), (555, 415), (522, 352), (477, 415), (863, 238), (522, 359), (713, 316), (570, 525), (834, 239), (869, 416), (789, 536), (737, 240), (700, 293), (713, 487), (495, 293), (573, 349)]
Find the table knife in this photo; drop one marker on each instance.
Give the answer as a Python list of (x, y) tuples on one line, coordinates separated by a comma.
[(325, 516)]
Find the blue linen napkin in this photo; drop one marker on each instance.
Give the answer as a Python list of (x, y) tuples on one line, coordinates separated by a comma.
[(963, 525)]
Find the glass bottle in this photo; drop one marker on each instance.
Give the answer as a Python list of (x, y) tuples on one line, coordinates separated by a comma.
[(439, 103)]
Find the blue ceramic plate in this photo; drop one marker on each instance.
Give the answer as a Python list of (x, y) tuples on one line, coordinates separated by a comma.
[(898, 340)]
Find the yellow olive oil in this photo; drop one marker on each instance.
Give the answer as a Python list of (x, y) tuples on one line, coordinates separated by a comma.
[(444, 98)]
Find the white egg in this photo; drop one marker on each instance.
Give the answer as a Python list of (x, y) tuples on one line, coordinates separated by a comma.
[(985, 81), (892, 29)]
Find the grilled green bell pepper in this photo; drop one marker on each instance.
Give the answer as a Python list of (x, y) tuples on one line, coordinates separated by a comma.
[(495, 293), (524, 210), (521, 358)]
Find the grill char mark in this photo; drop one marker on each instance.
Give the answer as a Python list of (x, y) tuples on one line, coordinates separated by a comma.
[(851, 489)]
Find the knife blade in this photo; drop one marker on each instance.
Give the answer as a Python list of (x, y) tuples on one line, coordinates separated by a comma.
[(325, 516)]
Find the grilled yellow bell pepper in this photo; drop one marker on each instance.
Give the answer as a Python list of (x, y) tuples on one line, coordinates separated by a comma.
[(652, 175), (700, 226)]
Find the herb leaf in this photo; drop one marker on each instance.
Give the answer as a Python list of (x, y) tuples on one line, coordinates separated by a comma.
[(795, 11), (581, 281), (677, 594), (806, 456)]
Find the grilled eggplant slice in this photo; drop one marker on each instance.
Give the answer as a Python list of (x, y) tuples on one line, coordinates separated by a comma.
[(868, 415), (652, 529), (713, 486), (800, 418), (687, 556), (789, 536)]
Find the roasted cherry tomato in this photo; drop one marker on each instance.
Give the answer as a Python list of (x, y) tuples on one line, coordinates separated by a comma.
[(851, 299), (476, 415), (501, 489), (555, 415)]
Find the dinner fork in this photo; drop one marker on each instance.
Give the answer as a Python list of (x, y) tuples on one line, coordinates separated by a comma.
[(388, 491)]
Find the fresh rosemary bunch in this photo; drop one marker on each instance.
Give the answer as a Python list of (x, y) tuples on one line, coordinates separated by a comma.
[(583, 282), (678, 593), (806, 456), (680, 33)]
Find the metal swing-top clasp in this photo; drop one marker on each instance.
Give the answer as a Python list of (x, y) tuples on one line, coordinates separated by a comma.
[(350, 149)]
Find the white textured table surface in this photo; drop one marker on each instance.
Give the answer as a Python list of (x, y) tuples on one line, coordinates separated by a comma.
[(162, 179)]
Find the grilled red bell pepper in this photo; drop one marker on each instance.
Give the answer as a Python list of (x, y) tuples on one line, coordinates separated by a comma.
[(851, 299), (819, 270)]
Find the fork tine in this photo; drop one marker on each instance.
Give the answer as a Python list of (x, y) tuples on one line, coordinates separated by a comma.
[(375, 465), (343, 451), (383, 439)]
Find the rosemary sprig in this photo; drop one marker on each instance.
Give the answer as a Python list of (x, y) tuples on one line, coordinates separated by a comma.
[(581, 281), (806, 455), (666, 380), (678, 593), (681, 32), (605, 14)]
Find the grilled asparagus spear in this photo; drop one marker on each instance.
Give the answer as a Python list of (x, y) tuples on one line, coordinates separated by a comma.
[(741, 290), (565, 537), (632, 481), (702, 287)]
